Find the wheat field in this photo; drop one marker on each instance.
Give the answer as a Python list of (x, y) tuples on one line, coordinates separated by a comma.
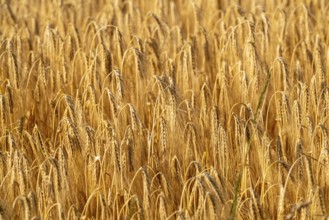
[(164, 109)]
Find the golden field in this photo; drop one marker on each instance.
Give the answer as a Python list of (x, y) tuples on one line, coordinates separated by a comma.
[(164, 109)]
